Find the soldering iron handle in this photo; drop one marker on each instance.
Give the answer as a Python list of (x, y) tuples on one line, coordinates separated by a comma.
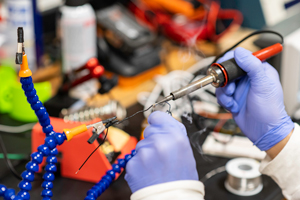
[(229, 70), (268, 52)]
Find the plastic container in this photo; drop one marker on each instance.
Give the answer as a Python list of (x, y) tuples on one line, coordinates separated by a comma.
[(78, 33)]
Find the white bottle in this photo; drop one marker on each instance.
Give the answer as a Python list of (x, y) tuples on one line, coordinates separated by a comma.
[(78, 34), (78, 29)]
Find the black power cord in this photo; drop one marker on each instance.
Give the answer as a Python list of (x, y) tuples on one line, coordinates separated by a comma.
[(248, 36)]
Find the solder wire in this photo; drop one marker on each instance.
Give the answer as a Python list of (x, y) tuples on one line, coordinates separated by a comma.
[(140, 111)]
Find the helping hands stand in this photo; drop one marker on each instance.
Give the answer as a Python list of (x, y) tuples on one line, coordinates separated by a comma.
[(48, 149)]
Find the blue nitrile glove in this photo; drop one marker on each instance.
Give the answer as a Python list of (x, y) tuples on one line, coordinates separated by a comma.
[(256, 101), (163, 155)]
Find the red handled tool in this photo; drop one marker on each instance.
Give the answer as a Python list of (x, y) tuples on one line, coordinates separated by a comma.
[(200, 22), (219, 74), (95, 70)]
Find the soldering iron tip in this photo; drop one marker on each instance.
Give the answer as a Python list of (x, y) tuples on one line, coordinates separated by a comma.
[(165, 99)]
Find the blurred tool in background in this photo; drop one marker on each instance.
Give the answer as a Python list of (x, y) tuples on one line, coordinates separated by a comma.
[(125, 46), (90, 70), (187, 21), (82, 83), (112, 108), (93, 70)]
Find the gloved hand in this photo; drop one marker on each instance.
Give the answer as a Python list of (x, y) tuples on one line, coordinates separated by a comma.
[(256, 101), (163, 155)]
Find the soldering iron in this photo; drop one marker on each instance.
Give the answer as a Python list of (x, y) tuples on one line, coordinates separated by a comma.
[(220, 74)]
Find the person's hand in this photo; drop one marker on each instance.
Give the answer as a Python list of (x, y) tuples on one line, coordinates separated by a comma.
[(163, 155), (256, 101)]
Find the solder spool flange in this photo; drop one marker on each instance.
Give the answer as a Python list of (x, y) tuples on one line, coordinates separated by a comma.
[(244, 178)]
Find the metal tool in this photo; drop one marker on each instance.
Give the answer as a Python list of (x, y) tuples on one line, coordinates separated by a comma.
[(220, 74), (112, 108), (100, 127)]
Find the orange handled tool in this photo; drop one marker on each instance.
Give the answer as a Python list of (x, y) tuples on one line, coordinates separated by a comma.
[(268, 52)]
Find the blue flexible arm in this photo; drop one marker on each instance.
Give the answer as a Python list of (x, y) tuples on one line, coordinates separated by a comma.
[(107, 179), (47, 149)]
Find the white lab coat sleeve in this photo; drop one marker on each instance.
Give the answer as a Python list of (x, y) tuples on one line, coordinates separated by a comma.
[(176, 190), (285, 167)]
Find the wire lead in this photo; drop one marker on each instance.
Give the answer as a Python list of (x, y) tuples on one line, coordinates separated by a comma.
[(93, 152), (116, 123)]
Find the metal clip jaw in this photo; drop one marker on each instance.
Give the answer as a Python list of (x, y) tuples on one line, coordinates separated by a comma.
[(99, 127), (96, 132)]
